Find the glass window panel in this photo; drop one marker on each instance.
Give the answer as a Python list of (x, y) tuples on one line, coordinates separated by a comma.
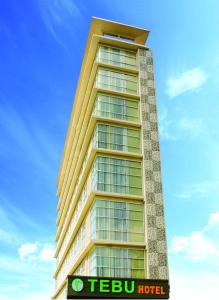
[(115, 107), (136, 226), (136, 215), (121, 82), (116, 56), (137, 237), (116, 222), (136, 253), (138, 273), (117, 175), (116, 262)]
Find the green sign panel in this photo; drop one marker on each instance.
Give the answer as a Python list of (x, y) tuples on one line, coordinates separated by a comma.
[(83, 287)]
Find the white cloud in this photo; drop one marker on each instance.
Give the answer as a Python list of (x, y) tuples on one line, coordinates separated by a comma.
[(173, 129), (199, 245), (201, 189), (214, 219), (27, 250), (36, 251), (193, 285), (23, 292), (58, 14), (12, 265), (32, 279), (196, 247), (47, 252), (189, 80), (193, 126), (165, 125)]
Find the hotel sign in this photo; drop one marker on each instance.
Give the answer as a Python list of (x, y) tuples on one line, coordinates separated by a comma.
[(83, 287)]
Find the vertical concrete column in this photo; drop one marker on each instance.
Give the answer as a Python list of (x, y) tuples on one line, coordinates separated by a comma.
[(157, 264)]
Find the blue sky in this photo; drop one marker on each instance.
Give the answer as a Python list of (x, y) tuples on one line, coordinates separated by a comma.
[(42, 45)]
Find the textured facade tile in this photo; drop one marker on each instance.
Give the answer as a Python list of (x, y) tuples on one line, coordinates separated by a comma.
[(162, 259), (145, 116), (155, 145), (159, 213), (159, 220), (150, 69), (158, 199), (148, 135), (150, 84), (163, 272), (148, 164), (153, 258), (151, 99), (143, 73), (152, 108), (154, 136), (151, 211), (144, 90), (157, 187), (150, 198), (147, 125), (148, 175), (153, 117), (157, 176), (161, 247), (149, 186), (155, 225), (161, 234), (148, 54), (152, 235), (150, 76), (155, 155), (152, 246), (154, 271), (143, 81), (156, 166), (149, 60), (153, 126), (151, 221), (151, 91)]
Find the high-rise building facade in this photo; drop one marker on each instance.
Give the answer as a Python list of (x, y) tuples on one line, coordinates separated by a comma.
[(110, 212)]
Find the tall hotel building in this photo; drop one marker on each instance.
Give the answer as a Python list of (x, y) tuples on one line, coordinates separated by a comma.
[(110, 211)]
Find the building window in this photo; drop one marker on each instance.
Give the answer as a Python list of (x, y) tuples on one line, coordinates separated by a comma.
[(81, 270), (114, 220), (119, 37), (117, 175), (120, 82), (74, 251), (117, 262), (116, 56), (116, 138), (117, 108)]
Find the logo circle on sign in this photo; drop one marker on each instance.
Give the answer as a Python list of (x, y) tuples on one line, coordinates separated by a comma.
[(77, 285)]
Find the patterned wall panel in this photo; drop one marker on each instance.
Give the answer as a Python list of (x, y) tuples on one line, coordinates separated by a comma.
[(157, 265)]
